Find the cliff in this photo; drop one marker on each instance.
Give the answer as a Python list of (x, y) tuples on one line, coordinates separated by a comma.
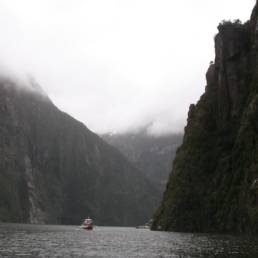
[(54, 170), (213, 185), (153, 155)]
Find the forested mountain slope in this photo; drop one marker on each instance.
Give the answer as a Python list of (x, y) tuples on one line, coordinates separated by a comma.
[(152, 154), (213, 185), (54, 170)]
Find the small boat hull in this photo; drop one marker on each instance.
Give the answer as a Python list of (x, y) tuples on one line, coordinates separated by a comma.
[(87, 227)]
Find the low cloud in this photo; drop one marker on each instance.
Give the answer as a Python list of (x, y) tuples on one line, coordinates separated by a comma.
[(116, 65)]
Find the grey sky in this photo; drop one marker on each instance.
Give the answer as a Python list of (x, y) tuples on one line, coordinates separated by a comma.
[(116, 64)]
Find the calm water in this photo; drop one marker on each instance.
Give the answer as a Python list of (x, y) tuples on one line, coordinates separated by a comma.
[(32, 241)]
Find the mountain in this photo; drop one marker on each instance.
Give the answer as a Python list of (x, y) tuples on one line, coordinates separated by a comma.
[(152, 154), (213, 185), (55, 170)]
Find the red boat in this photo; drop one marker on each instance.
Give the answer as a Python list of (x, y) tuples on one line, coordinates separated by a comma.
[(87, 224)]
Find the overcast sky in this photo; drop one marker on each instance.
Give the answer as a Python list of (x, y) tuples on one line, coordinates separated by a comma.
[(117, 64)]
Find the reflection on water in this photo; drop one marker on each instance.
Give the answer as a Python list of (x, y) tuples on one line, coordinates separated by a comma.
[(32, 241)]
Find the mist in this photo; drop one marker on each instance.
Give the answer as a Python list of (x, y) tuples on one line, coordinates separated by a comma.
[(116, 65)]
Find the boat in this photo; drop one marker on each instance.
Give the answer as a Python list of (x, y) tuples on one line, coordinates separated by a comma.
[(87, 224), (143, 227), (146, 225)]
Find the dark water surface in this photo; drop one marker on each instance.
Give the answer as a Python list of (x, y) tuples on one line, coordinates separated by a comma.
[(32, 241)]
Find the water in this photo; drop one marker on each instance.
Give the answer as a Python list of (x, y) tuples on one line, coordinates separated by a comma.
[(32, 241)]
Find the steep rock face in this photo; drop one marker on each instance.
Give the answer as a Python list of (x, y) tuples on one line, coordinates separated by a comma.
[(54, 170), (153, 155), (213, 184)]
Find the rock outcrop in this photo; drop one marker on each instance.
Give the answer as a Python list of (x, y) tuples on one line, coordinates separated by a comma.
[(213, 184), (54, 170)]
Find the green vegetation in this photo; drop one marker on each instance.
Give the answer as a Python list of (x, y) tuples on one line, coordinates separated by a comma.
[(210, 187)]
